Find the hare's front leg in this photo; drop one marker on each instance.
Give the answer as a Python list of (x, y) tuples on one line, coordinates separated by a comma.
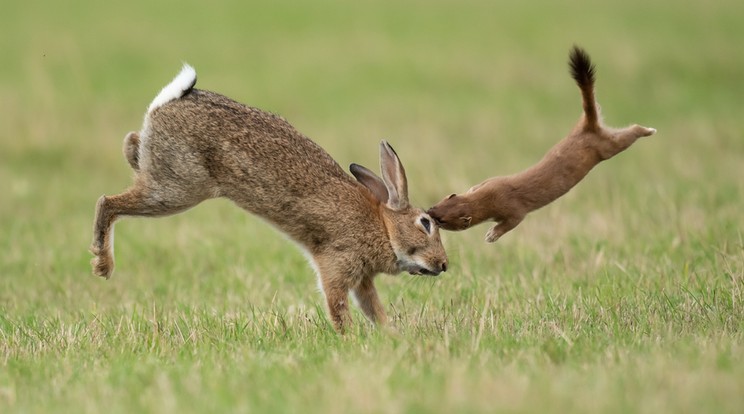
[(368, 301), (335, 284)]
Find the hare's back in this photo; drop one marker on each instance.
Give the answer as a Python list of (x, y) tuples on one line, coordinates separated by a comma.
[(247, 150)]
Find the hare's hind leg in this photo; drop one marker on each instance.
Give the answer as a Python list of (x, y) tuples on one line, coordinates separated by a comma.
[(134, 202), (131, 149)]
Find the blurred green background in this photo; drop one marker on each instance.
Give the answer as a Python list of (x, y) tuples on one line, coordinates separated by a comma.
[(463, 90)]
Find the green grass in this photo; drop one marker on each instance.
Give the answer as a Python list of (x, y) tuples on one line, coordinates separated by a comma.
[(623, 296)]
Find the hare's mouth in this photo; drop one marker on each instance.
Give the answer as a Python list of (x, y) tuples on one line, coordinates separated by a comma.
[(417, 270), (414, 268)]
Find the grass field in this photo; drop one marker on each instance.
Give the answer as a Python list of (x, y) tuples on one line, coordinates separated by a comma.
[(626, 295)]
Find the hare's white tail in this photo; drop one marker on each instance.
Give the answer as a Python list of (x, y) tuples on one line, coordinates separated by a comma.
[(178, 87)]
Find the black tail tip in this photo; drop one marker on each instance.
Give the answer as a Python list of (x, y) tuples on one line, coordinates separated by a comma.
[(582, 69)]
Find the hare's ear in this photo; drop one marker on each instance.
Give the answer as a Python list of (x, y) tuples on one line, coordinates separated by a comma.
[(394, 177), (371, 181)]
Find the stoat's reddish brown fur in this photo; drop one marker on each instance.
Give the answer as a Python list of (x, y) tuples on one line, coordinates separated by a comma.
[(508, 199)]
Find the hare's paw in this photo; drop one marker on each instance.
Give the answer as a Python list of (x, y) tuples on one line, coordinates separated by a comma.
[(103, 265)]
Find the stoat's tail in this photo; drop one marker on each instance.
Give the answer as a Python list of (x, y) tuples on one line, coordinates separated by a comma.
[(178, 87), (582, 70)]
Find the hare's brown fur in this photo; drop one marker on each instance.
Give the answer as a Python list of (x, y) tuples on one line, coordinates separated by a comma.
[(508, 199), (196, 145)]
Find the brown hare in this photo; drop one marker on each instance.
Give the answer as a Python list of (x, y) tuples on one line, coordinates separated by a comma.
[(508, 199), (196, 145)]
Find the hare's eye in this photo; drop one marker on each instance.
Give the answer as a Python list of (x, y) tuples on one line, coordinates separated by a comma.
[(426, 223)]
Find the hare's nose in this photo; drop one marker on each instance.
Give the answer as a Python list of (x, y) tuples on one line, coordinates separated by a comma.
[(444, 266)]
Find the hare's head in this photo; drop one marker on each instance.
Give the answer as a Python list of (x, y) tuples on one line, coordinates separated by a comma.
[(413, 235)]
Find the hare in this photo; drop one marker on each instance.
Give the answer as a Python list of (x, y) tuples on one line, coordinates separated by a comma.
[(195, 145), (508, 199)]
